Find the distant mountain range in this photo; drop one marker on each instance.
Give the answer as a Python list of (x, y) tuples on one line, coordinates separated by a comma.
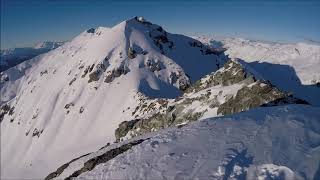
[(14, 56)]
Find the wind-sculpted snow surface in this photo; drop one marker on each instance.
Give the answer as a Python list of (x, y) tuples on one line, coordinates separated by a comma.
[(265, 143), (70, 100)]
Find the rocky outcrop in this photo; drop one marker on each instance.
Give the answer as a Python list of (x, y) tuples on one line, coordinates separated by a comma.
[(231, 73), (210, 94), (117, 72), (124, 128), (153, 65), (179, 80), (131, 53), (95, 75), (6, 109), (158, 35), (254, 95)]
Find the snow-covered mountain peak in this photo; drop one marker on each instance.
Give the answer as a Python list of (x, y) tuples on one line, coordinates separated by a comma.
[(78, 92)]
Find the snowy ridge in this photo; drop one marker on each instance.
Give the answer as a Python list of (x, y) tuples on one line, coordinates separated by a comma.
[(244, 145)]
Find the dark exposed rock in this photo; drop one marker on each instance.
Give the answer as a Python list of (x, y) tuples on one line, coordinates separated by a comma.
[(62, 168), (153, 65), (173, 117), (67, 106), (255, 95), (11, 111), (36, 132), (43, 72), (6, 109), (93, 162), (85, 72), (124, 127), (161, 39), (91, 67), (35, 116), (111, 75), (74, 79), (91, 30), (81, 66), (81, 109), (231, 73), (131, 53), (175, 77), (108, 144), (94, 76)]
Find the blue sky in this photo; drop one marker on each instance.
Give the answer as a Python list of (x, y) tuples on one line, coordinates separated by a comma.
[(25, 22)]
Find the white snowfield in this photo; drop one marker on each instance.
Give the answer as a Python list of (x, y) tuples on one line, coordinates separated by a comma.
[(291, 67), (59, 115), (272, 142)]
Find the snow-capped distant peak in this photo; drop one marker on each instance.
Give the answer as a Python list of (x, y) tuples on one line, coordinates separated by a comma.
[(47, 45)]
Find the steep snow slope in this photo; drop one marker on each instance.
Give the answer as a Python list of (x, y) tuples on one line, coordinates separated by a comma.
[(14, 56), (271, 142), (291, 67), (70, 100)]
